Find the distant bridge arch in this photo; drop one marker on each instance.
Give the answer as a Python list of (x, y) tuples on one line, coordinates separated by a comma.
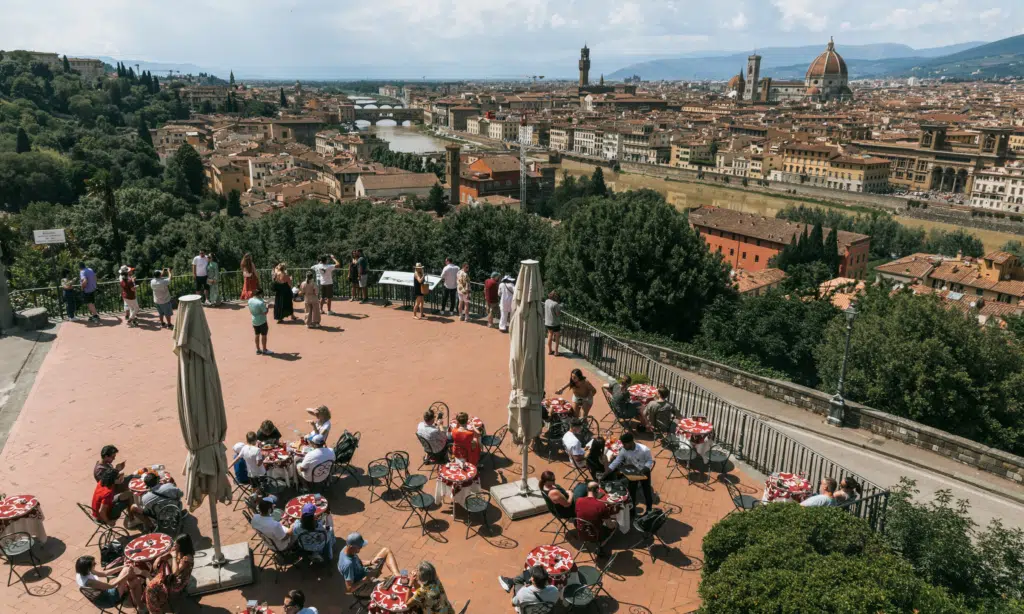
[(398, 114)]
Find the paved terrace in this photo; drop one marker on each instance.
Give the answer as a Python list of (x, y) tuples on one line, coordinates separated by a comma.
[(377, 369)]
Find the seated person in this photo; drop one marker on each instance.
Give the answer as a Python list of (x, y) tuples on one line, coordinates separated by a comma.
[(268, 433), (321, 422), (173, 573), (359, 578), (594, 511), (825, 496), (562, 502), (465, 441), (309, 524), (436, 439), (249, 452), (107, 457), (120, 580), (572, 444), (264, 523), (596, 462), (159, 495), (319, 455), (428, 595), (620, 402), (849, 490), (108, 507), (238, 465), (531, 586), (295, 603), (660, 408)]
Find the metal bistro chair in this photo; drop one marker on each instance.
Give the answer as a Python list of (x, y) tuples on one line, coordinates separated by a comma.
[(588, 585), (170, 518), (92, 595), (649, 531), (561, 526), (103, 530), (260, 547), (379, 472), (430, 458), (492, 444), (399, 463), (283, 560), (323, 478), (684, 456), (477, 503), (552, 437), (665, 432), (13, 546), (465, 608), (267, 485), (420, 504), (312, 545), (537, 608), (742, 503), (719, 455), (589, 535), (242, 490)]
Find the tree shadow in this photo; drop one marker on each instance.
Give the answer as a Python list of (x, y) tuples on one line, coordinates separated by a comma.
[(286, 356)]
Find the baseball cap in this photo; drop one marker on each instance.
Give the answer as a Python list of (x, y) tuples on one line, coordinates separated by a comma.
[(309, 509), (316, 439), (355, 539), (238, 447)]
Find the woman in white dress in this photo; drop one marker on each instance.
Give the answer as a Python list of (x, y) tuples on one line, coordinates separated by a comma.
[(506, 291)]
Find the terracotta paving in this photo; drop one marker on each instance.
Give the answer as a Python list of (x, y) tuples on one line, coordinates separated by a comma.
[(377, 369)]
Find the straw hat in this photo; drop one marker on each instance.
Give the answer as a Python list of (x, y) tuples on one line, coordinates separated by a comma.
[(419, 265)]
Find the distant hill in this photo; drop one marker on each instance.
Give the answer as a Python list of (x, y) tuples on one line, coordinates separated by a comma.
[(717, 65), (160, 69), (1002, 58)]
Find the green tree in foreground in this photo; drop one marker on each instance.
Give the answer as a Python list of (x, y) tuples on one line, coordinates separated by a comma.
[(101, 187), (436, 200), (21, 143), (633, 260), (185, 172)]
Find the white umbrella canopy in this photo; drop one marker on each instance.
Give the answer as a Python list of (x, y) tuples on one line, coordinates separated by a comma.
[(526, 355), (200, 409)]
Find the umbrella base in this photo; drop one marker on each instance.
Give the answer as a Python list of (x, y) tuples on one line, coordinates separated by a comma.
[(516, 505), (235, 571)]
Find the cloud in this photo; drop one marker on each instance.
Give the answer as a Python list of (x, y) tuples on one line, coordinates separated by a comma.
[(992, 16), (557, 21), (739, 22), (801, 14)]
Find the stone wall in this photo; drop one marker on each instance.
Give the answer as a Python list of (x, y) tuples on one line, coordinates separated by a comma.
[(968, 452), (964, 218)]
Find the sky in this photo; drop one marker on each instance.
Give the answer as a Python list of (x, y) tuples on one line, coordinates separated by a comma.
[(476, 38)]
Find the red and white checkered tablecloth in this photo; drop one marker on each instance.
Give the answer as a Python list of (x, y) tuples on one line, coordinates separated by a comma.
[(693, 430), (138, 486), (558, 406), (557, 561), (642, 393), (390, 600), (293, 510), (276, 456), (475, 423), (148, 547), (782, 486)]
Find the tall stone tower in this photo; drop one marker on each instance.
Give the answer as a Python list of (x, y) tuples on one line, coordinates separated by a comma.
[(753, 77), (584, 66), (453, 166)]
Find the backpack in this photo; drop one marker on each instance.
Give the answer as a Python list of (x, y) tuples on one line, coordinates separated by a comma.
[(652, 521), (346, 447), (111, 552)]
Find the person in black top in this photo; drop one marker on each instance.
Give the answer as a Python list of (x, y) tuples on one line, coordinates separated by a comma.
[(268, 433)]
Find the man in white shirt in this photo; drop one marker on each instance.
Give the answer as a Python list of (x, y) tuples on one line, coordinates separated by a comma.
[(435, 437), (250, 452), (318, 455), (199, 266), (531, 586), (264, 523), (325, 277), (637, 457), (450, 277), (825, 497), (161, 285), (572, 444)]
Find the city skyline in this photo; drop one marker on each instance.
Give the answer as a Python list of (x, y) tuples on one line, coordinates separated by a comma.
[(407, 38)]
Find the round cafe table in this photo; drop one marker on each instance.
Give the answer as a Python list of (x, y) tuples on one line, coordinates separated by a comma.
[(279, 463), (642, 394), (612, 449), (559, 407), (293, 511), (699, 434), (392, 599), (782, 486), (143, 550), (475, 423), (22, 514), (138, 486), (619, 506), (557, 561), (457, 480)]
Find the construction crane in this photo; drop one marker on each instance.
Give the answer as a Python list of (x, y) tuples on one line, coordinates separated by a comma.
[(523, 170)]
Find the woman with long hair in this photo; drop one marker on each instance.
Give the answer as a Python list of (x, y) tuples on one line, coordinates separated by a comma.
[(465, 441), (310, 300), (283, 307), (428, 594), (116, 582), (849, 490), (583, 393), (321, 422), (174, 570), (250, 277), (596, 461), (419, 281)]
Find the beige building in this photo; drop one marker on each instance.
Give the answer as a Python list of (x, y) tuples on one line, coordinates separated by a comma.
[(589, 141), (686, 153), (393, 186), (562, 138), (858, 174)]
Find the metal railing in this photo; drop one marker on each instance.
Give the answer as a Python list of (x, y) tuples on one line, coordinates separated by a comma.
[(750, 438)]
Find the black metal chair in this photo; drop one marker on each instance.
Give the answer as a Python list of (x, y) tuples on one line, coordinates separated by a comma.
[(665, 432), (312, 545), (588, 586), (93, 595), (399, 463), (267, 485), (742, 502), (440, 409), (589, 535), (322, 478), (719, 455), (684, 456), (170, 518), (378, 470), (420, 503), (561, 525), (577, 472), (283, 560), (552, 438), (492, 443), (465, 608), (477, 503), (343, 454), (260, 547), (430, 458), (537, 608), (103, 530), (14, 546), (649, 531), (242, 490)]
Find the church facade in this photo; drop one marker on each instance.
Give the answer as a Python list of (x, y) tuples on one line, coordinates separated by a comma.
[(827, 79)]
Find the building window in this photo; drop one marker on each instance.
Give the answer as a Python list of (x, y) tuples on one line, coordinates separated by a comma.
[(757, 258), (731, 251), (744, 255)]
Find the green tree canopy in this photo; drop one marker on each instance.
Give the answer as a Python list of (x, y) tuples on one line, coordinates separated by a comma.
[(185, 172), (22, 144)]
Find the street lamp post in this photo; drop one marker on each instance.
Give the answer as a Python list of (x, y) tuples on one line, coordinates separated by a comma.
[(837, 406)]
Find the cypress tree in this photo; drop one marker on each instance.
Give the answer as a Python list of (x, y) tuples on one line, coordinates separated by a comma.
[(67, 65), (815, 244), (22, 143), (832, 251), (232, 81), (156, 85), (144, 131), (234, 204), (284, 99)]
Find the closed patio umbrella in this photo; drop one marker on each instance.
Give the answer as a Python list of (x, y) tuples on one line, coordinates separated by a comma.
[(201, 413), (526, 360)]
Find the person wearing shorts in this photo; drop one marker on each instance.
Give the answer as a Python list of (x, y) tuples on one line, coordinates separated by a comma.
[(258, 311), (87, 277), (364, 275), (325, 277), (492, 300), (160, 284), (200, 265), (131, 303), (553, 322)]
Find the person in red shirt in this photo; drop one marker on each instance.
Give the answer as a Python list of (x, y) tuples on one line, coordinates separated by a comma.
[(491, 297), (465, 441), (131, 303), (107, 507), (594, 511)]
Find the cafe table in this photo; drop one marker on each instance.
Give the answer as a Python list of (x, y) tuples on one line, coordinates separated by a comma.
[(22, 514)]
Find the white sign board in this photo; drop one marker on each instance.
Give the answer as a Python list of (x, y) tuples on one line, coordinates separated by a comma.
[(401, 278), (45, 237)]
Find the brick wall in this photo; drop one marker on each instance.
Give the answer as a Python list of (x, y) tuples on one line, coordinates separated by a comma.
[(968, 452)]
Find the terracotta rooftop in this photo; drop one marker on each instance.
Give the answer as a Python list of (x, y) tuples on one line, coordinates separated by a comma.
[(916, 266), (761, 227), (748, 281), (398, 181)]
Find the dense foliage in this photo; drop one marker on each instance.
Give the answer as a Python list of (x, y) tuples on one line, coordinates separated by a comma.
[(407, 161), (913, 357), (889, 238), (786, 558)]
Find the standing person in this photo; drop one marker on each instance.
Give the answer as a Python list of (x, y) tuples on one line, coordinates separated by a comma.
[(419, 291), (199, 274), (636, 459), (250, 277), (353, 275), (67, 289), (462, 285), (491, 298), (325, 277), (161, 286), (583, 393), (213, 279), (450, 277), (506, 292), (258, 311), (310, 302), (364, 275), (553, 322), (87, 279), (131, 303), (284, 307)]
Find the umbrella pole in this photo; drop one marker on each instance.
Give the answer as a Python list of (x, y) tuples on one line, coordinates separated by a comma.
[(218, 556)]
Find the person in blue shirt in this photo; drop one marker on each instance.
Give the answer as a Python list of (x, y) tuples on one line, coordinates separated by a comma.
[(258, 310), (359, 578), (87, 277)]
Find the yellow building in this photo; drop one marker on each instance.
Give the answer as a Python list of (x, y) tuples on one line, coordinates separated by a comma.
[(687, 153), (806, 163), (858, 173)]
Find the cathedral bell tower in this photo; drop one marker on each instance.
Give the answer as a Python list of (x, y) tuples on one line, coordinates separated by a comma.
[(584, 66), (753, 77)]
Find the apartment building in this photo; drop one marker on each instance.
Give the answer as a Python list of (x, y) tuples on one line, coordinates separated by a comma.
[(855, 173), (805, 163), (589, 141), (503, 129), (683, 154), (996, 278), (562, 138), (999, 189)]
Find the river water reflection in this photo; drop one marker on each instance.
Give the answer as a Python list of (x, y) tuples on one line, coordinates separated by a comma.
[(407, 139)]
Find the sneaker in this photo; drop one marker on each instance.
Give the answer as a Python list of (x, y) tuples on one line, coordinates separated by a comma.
[(506, 583), (259, 352), (267, 352)]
